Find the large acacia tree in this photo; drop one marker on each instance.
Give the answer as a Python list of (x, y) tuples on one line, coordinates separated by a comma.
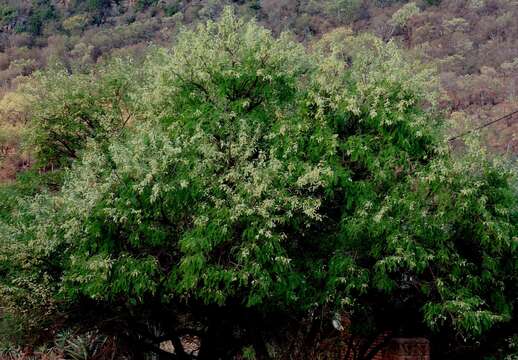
[(265, 189)]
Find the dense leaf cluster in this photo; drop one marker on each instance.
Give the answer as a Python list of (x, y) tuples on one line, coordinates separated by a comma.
[(259, 175)]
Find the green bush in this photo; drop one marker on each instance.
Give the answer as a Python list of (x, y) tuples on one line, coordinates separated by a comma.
[(144, 4), (43, 11), (262, 184), (7, 14), (68, 110)]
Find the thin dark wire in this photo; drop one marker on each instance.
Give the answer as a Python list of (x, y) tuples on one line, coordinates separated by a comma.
[(510, 115)]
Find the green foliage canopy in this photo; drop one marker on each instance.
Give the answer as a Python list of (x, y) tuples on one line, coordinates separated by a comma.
[(68, 110), (266, 176)]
